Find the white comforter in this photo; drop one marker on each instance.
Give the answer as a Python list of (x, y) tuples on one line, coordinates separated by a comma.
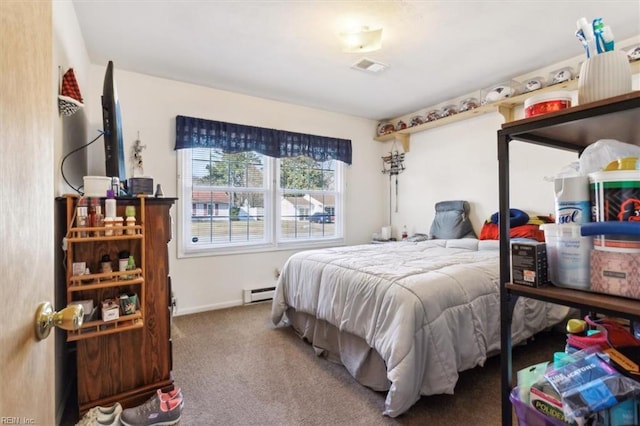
[(430, 309)]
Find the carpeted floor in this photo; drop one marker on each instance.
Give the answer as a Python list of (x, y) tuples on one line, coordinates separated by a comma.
[(236, 368)]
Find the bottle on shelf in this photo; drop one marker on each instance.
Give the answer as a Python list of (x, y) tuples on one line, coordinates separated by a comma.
[(82, 215), (123, 260), (130, 212), (131, 265), (117, 225), (110, 204)]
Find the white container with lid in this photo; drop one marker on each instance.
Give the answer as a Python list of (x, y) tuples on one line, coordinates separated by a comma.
[(96, 186), (568, 255)]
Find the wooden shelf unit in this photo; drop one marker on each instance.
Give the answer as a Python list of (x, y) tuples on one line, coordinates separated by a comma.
[(505, 107), (571, 129), (86, 244), (128, 359)]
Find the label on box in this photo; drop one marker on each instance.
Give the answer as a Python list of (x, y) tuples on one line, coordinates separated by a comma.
[(79, 268), (615, 273), (110, 310), (529, 263)]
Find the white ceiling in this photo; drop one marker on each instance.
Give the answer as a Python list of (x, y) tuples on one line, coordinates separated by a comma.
[(290, 50)]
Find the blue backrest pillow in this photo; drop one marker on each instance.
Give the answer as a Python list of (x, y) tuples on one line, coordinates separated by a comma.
[(452, 220)]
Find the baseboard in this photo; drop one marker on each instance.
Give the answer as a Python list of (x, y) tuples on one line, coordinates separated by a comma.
[(205, 308)]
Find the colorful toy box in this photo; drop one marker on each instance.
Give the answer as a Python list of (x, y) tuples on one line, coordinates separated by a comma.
[(616, 273)]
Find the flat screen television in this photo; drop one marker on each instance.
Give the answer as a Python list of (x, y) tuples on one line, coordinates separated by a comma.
[(112, 127)]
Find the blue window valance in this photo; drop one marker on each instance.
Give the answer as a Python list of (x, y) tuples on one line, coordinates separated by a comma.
[(229, 137)]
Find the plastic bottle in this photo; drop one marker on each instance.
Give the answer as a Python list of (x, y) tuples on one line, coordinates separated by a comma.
[(110, 204), (82, 216), (405, 234), (130, 223), (131, 265), (118, 223)]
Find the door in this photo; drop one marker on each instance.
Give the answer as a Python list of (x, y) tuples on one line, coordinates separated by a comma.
[(26, 210)]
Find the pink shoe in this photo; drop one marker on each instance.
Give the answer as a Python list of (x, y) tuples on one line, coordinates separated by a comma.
[(167, 396)]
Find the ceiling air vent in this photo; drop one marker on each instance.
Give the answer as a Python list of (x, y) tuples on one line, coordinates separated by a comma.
[(370, 66)]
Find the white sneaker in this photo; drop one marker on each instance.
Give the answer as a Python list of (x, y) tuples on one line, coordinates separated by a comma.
[(99, 416)]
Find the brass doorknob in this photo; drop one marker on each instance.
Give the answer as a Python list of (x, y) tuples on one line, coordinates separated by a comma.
[(69, 318)]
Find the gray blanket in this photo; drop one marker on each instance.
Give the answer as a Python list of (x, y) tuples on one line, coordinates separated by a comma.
[(430, 309)]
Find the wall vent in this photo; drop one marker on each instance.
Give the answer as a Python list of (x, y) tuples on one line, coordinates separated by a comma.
[(370, 66), (258, 294)]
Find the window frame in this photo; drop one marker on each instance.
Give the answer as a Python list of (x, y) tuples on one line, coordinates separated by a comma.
[(273, 239)]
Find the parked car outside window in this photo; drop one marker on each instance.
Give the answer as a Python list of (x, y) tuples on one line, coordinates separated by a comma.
[(320, 218)]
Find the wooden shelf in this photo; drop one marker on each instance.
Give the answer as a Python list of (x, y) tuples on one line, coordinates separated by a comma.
[(505, 107), (99, 327), (581, 299), (105, 280), (125, 233), (87, 244)]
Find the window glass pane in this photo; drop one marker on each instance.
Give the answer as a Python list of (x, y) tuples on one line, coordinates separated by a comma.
[(234, 201), (306, 173), (307, 215), (228, 198)]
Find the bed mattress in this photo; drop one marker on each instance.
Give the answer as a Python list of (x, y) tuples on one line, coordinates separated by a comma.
[(428, 309)]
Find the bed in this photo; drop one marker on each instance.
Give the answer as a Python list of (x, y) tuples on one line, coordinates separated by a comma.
[(403, 317)]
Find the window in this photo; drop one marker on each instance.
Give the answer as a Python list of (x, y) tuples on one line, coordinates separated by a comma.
[(307, 197), (246, 201), (248, 188)]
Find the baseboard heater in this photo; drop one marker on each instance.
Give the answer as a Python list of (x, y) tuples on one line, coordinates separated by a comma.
[(258, 294)]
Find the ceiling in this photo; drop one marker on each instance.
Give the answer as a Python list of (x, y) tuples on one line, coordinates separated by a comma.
[(290, 50)]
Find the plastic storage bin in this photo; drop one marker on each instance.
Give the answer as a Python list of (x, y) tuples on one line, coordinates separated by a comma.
[(528, 416), (568, 255)]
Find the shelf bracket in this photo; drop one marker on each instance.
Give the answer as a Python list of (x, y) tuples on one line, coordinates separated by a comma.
[(507, 112), (403, 139)]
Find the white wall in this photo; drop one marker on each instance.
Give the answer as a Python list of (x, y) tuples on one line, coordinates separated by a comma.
[(69, 51), (150, 105), (460, 162)]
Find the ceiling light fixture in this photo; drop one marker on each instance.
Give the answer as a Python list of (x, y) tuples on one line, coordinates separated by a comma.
[(362, 40)]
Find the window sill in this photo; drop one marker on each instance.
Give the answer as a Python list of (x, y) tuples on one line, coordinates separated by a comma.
[(283, 246)]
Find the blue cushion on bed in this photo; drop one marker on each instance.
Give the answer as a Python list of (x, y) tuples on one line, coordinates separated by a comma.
[(516, 217), (452, 220)]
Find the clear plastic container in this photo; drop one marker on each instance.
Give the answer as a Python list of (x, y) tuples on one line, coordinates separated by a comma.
[(568, 255)]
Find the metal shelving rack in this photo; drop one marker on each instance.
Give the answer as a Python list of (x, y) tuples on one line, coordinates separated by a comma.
[(572, 129)]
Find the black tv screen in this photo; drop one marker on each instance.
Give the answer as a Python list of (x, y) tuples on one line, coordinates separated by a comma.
[(112, 127)]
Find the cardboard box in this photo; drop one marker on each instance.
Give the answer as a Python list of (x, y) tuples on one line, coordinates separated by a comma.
[(529, 263), (110, 310), (616, 273), (545, 400), (87, 305)]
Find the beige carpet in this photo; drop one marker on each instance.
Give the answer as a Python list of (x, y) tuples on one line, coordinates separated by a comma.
[(236, 368)]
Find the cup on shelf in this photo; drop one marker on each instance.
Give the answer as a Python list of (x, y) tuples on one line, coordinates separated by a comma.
[(129, 303), (603, 76)]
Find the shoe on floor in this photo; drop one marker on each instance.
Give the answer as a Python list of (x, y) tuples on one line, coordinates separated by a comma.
[(112, 420), (154, 412), (102, 416), (166, 396)]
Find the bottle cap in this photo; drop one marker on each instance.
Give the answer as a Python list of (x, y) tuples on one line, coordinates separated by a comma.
[(110, 193)]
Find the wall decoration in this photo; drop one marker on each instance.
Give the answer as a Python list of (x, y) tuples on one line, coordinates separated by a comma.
[(69, 99)]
